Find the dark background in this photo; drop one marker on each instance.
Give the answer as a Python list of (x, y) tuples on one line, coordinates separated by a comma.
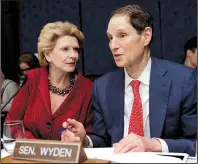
[(175, 21)]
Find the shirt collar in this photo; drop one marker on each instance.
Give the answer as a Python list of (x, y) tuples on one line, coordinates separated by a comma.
[(144, 77)]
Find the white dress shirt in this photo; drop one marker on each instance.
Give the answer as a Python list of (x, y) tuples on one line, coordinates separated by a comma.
[(128, 102), (144, 94)]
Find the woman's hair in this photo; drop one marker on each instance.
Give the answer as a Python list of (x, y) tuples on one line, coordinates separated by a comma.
[(1, 77), (30, 59), (49, 35), (138, 17)]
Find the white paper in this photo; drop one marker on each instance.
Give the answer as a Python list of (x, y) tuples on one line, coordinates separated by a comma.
[(192, 160), (131, 157), (106, 154)]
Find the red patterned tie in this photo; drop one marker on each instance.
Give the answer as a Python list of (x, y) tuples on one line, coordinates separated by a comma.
[(136, 118)]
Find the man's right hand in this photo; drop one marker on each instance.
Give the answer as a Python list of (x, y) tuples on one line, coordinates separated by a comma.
[(76, 128)]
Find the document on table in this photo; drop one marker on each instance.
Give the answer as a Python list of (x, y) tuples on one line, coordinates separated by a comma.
[(134, 157), (107, 153)]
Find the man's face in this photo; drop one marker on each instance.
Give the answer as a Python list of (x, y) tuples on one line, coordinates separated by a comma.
[(126, 45), (194, 58)]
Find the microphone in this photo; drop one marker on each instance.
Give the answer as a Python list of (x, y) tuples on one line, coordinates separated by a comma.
[(23, 80)]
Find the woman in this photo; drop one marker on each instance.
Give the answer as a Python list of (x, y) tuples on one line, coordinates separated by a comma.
[(55, 91), (8, 89), (28, 61)]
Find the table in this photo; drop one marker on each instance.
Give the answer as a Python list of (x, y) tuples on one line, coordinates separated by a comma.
[(6, 158), (9, 159)]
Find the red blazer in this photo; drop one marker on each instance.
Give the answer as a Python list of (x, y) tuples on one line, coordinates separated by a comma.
[(32, 105)]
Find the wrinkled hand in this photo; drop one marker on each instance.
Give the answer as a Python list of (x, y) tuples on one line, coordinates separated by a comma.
[(69, 136), (135, 143), (74, 130)]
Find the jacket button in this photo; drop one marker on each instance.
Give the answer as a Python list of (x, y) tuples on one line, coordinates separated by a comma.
[(48, 125)]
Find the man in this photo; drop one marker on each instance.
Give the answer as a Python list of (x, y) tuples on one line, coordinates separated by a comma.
[(190, 50), (148, 104)]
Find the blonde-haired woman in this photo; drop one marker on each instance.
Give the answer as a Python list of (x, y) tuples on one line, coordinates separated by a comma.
[(56, 91)]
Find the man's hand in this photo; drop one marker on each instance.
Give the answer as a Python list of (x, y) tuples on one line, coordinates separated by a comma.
[(135, 143), (73, 129), (68, 136)]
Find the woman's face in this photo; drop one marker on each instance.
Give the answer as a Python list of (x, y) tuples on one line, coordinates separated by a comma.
[(64, 55), (23, 66)]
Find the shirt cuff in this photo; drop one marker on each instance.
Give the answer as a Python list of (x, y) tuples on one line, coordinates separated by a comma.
[(164, 145), (90, 145)]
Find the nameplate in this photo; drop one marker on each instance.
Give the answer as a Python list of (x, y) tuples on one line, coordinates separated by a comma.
[(49, 151)]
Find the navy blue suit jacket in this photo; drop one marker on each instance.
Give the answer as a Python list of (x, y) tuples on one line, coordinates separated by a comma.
[(172, 106)]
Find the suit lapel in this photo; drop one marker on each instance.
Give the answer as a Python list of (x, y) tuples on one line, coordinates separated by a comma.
[(43, 88), (115, 97), (159, 94)]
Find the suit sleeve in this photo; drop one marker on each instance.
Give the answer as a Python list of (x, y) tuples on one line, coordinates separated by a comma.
[(88, 119), (188, 118), (18, 107), (99, 136)]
